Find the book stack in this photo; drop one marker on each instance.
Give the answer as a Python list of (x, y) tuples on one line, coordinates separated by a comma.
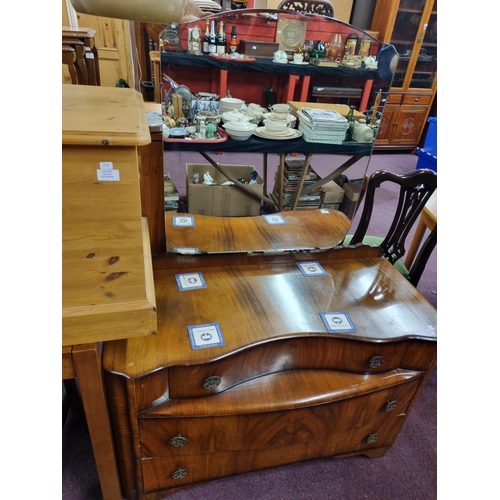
[(322, 125), (171, 195), (294, 165)]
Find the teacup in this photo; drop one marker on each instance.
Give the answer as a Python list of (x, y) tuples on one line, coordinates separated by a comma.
[(274, 126), (281, 109), (279, 116), (298, 58)]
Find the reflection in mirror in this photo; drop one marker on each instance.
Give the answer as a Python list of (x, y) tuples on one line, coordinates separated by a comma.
[(237, 160)]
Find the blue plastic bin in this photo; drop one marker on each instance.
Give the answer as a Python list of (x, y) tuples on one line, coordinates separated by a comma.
[(426, 160), (430, 144)]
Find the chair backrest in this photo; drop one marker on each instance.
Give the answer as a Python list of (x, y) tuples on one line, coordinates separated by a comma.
[(321, 7), (415, 189)]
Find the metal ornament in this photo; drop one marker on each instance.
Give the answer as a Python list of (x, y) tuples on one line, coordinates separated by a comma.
[(212, 382)]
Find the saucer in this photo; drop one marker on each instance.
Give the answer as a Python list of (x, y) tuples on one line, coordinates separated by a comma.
[(280, 62), (298, 64), (177, 132)]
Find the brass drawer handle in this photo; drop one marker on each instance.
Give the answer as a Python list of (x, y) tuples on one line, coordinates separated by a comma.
[(178, 441), (391, 405), (372, 438), (417, 99), (180, 474), (212, 382), (376, 362)]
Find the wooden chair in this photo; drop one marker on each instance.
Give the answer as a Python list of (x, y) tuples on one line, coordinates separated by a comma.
[(415, 189), (321, 7)]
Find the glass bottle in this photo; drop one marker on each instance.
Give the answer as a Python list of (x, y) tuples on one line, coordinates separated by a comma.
[(206, 38), (233, 42), (350, 122), (220, 43), (335, 47), (212, 48)]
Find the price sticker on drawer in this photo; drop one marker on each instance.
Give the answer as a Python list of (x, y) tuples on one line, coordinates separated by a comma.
[(204, 336), (337, 322), (190, 281)]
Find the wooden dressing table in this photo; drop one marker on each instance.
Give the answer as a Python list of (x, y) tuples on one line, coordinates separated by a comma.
[(272, 385)]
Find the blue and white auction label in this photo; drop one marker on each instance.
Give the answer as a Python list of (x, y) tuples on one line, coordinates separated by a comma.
[(204, 336), (274, 219), (190, 281), (337, 322), (311, 269), (183, 221)]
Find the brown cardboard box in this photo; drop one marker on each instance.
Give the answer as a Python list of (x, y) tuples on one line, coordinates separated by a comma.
[(350, 201), (331, 194), (220, 200), (256, 48)]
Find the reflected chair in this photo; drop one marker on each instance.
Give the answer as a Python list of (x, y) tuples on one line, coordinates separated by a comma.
[(415, 189), (321, 7)]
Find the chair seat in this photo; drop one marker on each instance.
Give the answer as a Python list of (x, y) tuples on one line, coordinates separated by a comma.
[(377, 240)]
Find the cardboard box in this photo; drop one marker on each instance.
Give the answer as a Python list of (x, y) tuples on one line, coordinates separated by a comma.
[(331, 193), (257, 48), (352, 191), (216, 199)]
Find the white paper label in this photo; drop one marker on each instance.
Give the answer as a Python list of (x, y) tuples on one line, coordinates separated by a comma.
[(108, 175), (106, 165)]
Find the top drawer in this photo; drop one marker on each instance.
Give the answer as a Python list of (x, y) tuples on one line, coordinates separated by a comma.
[(289, 354), (423, 99)]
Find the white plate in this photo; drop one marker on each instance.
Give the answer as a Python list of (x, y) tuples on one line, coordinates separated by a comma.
[(291, 133), (177, 132), (280, 62), (298, 64)]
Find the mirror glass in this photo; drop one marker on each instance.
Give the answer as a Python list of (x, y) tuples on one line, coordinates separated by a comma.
[(252, 162)]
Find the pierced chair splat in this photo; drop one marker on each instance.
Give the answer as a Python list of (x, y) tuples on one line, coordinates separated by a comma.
[(415, 189)]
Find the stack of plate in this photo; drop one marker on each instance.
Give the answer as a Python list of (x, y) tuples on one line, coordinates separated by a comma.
[(228, 104)]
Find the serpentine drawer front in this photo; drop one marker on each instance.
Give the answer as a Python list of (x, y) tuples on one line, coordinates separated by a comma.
[(279, 355)]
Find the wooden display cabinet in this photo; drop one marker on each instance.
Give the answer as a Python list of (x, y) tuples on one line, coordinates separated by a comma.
[(411, 26)]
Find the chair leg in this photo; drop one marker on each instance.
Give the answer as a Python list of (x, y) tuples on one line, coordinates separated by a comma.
[(418, 267)]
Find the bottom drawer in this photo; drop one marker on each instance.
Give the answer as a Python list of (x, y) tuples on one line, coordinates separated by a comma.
[(163, 473)]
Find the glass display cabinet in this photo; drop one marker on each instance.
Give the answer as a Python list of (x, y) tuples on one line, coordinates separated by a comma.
[(411, 26)]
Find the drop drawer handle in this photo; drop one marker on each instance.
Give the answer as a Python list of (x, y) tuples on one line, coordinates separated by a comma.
[(391, 405), (372, 438), (212, 382), (178, 441), (180, 474), (376, 362)]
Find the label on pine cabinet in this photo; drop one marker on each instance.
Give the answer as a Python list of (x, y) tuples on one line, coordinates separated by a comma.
[(204, 336), (311, 269), (337, 321), (190, 281), (108, 175), (274, 219)]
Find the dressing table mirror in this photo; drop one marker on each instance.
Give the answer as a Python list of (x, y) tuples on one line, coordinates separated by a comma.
[(316, 219)]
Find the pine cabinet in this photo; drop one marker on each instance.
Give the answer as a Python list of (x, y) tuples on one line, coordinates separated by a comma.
[(411, 26)]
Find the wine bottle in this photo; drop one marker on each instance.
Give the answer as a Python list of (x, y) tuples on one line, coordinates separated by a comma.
[(221, 40), (351, 122), (233, 42), (206, 39), (212, 48)]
